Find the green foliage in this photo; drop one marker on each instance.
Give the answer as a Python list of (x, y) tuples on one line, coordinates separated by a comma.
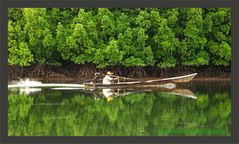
[(222, 53), (20, 55), (68, 113), (108, 55), (127, 37), (18, 49), (166, 45), (219, 44), (195, 41)]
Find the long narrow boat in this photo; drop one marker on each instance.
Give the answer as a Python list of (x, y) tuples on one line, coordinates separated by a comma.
[(174, 80), (141, 83)]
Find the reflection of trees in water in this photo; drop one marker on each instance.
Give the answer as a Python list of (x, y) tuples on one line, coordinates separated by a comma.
[(135, 114), (19, 109), (209, 87)]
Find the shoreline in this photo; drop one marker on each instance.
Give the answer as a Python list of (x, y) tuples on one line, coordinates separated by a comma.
[(84, 72)]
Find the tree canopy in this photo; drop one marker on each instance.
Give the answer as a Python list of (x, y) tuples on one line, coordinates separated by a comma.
[(120, 37)]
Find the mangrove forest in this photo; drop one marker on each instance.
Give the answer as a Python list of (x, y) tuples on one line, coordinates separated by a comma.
[(135, 42)]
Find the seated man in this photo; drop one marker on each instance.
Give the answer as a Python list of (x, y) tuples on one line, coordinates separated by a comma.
[(97, 76), (108, 79)]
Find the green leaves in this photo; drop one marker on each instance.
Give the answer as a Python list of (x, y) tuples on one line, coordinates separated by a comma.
[(166, 44), (127, 37), (195, 39), (38, 31), (222, 53), (18, 50), (108, 55)]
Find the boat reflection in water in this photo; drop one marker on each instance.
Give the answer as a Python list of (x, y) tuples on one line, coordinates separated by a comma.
[(110, 94), (24, 86), (28, 90)]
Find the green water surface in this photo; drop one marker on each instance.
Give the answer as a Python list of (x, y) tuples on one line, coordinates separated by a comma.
[(85, 113)]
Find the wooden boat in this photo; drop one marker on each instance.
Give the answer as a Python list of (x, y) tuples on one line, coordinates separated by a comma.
[(141, 83), (154, 82)]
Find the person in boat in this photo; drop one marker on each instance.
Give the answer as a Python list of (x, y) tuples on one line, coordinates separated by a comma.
[(108, 79), (97, 76)]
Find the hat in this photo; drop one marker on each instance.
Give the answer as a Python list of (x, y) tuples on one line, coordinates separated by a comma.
[(110, 98), (109, 73)]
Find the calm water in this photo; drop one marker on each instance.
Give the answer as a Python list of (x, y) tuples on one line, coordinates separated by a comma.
[(195, 109)]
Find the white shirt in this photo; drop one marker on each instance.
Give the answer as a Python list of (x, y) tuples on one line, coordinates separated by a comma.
[(107, 92), (107, 79)]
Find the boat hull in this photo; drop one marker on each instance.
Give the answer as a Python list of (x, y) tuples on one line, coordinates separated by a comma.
[(146, 83)]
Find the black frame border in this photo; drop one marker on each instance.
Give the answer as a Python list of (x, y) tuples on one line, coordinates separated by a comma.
[(5, 4)]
